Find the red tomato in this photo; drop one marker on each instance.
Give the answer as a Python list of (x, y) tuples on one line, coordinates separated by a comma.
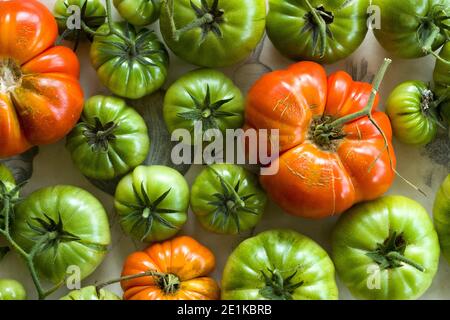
[(320, 176), (40, 97)]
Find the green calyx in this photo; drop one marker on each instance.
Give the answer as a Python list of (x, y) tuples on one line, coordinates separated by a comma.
[(432, 26), (390, 253), (169, 283), (147, 212), (99, 135), (317, 21), (278, 288), (229, 203), (207, 111), (50, 232), (211, 17), (324, 134)]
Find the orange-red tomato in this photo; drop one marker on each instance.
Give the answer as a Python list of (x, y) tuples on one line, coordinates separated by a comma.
[(320, 177), (181, 267), (40, 96)]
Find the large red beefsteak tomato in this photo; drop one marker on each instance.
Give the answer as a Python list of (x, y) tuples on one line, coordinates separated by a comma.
[(40, 96), (322, 169)]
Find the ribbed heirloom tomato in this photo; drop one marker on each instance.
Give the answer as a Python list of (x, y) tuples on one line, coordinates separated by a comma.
[(326, 164), (40, 97), (181, 267)]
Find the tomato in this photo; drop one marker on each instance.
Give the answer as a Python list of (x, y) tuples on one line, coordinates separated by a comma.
[(213, 33), (12, 290), (412, 28), (441, 213), (181, 267), (279, 265), (318, 31), (139, 12), (386, 249), (6, 175), (72, 226), (92, 13), (110, 140), (227, 199), (90, 293), (152, 203), (40, 97), (323, 168), (441, 78), (7, 186), (205, 96), (130, 70), (413, 113)]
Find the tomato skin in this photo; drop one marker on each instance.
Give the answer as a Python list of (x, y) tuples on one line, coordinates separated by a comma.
[(441, 214), (366, 225), (139, 12), (183, 257), (207, 186), (40, 96), (413, 119), (284, 251), (401, 22), (179, 100), (12, 290), (242, 27), (287, 18), (136, 197), (311, 180), (79, 242), (90, 293), (127, 145), (441, 77), (127, 74)]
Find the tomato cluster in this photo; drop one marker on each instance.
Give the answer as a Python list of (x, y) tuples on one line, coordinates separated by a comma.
[(336, 146)]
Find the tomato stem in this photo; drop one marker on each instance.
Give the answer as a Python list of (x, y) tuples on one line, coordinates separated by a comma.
[(399, 257), (176, 33), (112, 30), (28, 257), (150, 273), (322, 25), (367, 111)]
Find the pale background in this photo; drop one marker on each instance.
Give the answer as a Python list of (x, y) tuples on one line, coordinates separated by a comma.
[(53, 166)]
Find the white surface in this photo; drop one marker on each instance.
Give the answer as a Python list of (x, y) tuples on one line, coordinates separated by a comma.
[(53, 166)]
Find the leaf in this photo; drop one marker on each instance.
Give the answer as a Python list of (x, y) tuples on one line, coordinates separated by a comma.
[(148, 227), (198, 11), (207, 100), (215, 28), (220, 103), (190, 115), (147, 200), (205, 5), (164, 222)]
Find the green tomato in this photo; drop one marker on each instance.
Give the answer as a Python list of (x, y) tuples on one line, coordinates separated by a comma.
[(71, 227), (205, 96), (6, 175), (7, 185), (279, 265), (294, 27), (412, 28), (441, 77), (90, 293), (386, 249), (227, 199), (12, 290), (139, 12), (110, 140), (213, 33), (413, 113), (94, 15), (441, 213), (152, 203), (130, 70)]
